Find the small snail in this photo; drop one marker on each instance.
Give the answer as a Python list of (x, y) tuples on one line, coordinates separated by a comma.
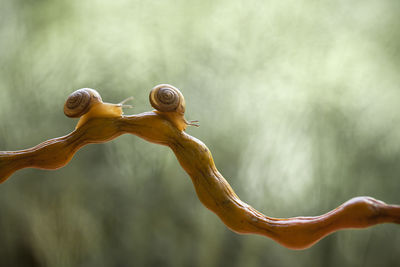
[(167, 98), (87, 103), (170, 103)]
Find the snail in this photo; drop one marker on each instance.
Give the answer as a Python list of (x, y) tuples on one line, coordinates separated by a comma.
[(170, 103), (87, 103)]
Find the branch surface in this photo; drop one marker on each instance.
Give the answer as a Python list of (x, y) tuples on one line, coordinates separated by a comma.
[(211, 187)]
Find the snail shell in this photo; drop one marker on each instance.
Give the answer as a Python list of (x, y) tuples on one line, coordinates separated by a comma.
[(165, 97), (80, 101)]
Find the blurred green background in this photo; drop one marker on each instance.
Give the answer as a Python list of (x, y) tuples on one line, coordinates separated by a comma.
[(298, 102)]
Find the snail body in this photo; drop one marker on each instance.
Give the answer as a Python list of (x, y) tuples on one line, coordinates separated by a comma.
[(86, 103)]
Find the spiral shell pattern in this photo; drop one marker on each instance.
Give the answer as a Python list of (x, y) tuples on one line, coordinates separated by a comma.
[(79, 102), (165, 97)]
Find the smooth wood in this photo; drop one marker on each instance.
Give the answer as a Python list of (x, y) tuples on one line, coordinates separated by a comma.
[(211, 187)]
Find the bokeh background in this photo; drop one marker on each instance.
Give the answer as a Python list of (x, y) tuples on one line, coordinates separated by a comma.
[(299, 102)]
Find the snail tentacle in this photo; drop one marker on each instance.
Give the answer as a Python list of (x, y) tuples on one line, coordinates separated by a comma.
[(193, 123), (126, 100)]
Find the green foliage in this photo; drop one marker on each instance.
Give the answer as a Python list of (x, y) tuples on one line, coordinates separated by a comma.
[(298, 102)]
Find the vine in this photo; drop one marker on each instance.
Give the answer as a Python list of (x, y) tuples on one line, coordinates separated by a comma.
[(104, 122)]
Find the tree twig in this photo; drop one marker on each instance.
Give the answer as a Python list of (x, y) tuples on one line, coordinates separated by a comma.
[(211, 187)]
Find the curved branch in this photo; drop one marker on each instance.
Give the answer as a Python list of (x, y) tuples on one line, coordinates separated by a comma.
[(211, 187)]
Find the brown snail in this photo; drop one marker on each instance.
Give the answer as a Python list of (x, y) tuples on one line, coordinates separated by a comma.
[(170, 103), (86, 103), (167, 98)]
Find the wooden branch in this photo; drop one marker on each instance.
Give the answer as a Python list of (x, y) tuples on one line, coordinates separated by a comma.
[(211, 187)]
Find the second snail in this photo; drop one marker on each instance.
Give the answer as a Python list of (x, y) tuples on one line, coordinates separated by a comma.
[(86, 103)]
